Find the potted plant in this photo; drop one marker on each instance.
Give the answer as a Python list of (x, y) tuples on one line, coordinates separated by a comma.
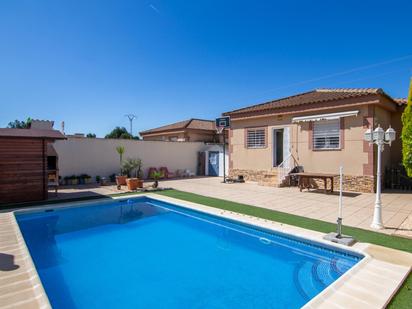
[(87, 178), (74, 180), (80, 179), (121, 178), (128, 167), (112, 177), (67, 180), (156, 176)]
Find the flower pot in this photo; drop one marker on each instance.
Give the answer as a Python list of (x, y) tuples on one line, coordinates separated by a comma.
[(121, 180), (134, 183)]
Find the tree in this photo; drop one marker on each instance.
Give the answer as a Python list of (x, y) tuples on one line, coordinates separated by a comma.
[(407, 134), (121, 133), (120, 150), (91, 135), (17, 124)]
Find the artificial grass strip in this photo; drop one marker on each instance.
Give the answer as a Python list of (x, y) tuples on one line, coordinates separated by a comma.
[(402, 300)]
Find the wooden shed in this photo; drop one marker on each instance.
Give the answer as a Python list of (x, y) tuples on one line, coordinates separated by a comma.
[(23, 164)]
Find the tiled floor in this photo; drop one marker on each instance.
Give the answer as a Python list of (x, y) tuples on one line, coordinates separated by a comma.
[(357, 211)]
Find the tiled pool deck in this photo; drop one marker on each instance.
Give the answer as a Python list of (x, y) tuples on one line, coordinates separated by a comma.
[(370, 284)]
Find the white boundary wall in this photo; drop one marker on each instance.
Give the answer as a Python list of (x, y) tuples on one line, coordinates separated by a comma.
[(98, 156)]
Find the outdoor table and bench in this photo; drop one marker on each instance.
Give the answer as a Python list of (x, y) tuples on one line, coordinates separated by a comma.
[(304, 180)]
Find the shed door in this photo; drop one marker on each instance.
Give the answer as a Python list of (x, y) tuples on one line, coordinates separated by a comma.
[(213, 163)]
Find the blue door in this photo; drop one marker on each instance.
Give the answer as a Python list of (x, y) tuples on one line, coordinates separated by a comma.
[(213, 163)]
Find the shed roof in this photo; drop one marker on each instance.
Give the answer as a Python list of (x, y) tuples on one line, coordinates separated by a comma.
[(31, 133)]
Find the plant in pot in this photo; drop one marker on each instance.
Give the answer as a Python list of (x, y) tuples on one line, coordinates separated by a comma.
[(81, 179), (156, 176), (129, 166), (66, 180), (87, 178), (112, 177), (74, 180), (121, 178)]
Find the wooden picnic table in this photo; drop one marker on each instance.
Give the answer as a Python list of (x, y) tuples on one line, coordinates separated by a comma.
[(304, 178)]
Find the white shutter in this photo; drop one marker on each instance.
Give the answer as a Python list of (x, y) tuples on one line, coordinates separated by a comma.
[(326, 134)]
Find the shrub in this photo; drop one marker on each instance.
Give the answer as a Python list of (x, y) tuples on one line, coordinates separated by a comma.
[(407, 135)]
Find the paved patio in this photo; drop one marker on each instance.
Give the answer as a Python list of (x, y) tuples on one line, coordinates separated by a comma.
[(357, 212)]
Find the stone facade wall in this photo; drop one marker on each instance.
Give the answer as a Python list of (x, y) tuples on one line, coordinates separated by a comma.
[(364, 184), (251, 175)]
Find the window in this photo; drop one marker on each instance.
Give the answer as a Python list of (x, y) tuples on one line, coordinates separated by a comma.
[(326, 134), (256, 138)]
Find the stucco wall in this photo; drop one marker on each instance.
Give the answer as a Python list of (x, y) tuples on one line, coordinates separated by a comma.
[(99, 157), (392, 155), (352, 156), (256, 159)]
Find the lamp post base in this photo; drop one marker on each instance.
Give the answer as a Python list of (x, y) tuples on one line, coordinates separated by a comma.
[(377, 226), (340, 239), (377, 216)]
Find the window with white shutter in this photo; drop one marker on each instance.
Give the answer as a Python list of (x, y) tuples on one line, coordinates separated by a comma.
[(326, 134), (256, 138)]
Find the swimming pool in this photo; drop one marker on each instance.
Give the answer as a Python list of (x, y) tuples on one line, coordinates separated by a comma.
[(145, 253)]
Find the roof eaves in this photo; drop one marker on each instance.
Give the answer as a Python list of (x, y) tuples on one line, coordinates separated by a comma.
[(267, 102)]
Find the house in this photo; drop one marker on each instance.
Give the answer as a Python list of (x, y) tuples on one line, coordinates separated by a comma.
[(191, 130), (25, 164), (319, 130)]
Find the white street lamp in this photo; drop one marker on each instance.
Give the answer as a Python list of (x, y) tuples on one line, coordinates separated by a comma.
[(380, 138)]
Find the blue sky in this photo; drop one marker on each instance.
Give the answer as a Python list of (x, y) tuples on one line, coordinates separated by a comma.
[(91, 62)]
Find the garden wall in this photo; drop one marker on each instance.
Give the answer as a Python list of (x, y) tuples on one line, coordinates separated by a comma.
[(98, 156)]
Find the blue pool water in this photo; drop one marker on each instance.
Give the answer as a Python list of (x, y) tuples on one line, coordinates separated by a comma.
[(143, 253)]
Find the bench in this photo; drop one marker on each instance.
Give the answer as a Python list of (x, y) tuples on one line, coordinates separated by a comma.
[(304, 180)]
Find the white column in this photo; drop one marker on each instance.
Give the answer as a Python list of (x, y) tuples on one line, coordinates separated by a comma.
[(377, 214)]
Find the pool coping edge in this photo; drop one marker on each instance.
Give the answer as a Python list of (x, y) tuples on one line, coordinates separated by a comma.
[(335, 295)]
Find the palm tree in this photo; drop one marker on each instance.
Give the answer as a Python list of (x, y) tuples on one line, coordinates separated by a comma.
[(120, 150)]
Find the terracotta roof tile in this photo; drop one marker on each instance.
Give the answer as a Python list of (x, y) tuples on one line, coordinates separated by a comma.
[(401, 101), (195, 124), (314, 96)]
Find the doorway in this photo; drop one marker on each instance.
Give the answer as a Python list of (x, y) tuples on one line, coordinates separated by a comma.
[(278, 141), (213, 160)]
